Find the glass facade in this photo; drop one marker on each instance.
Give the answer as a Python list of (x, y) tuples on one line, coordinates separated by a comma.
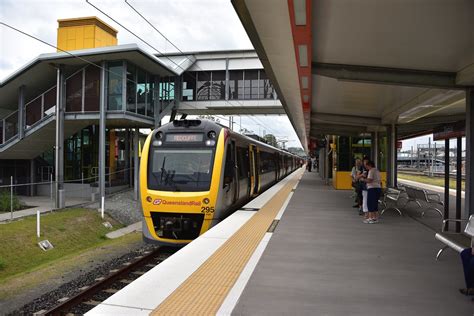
[(139, 92), (242, 85), (33, 112), (11, 126), (74, 93), (114, 95), (92, 89)]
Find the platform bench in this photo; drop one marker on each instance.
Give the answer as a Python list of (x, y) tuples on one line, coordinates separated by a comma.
[(390, 199), (420, 196), (456, 241)]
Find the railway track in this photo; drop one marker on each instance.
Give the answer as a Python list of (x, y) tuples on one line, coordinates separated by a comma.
[(104, 287)]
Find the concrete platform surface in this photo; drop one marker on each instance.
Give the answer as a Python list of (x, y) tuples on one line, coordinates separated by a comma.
[(322, 260)]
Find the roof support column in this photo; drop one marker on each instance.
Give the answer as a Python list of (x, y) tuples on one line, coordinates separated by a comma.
[(102, 126), (157, 108), (375, 148), (136, 163), (392, 156), (21, 112), (469, 167), (59, 148)]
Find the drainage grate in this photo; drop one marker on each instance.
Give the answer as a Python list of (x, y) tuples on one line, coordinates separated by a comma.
[(273, 226)]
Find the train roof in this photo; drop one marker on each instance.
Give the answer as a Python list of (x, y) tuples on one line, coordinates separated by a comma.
[(211, 125)]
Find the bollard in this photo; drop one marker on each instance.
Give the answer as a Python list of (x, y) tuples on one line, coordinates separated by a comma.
[(38, 233), (102, 202), (11, 198)]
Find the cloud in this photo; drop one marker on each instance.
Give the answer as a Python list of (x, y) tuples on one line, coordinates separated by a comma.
[(192, 25)]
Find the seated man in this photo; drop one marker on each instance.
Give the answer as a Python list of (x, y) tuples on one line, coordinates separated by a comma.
[(467, 258)]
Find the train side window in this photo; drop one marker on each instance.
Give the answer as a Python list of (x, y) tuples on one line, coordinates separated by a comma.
[(243, 162), (229, 166)]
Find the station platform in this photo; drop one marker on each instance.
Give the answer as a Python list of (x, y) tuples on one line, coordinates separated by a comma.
[(318, 259)]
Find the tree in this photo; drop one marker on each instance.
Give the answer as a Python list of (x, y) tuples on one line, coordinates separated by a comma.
[(271, 140)]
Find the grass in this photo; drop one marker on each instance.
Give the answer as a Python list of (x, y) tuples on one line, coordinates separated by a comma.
[(437, 181), (70, 231), (67, 265)]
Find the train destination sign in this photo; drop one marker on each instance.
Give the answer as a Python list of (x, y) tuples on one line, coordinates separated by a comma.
[(184, 138)]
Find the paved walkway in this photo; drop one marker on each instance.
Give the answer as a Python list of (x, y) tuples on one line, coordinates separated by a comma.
[(322, 260), (38, 203), (136, 227)]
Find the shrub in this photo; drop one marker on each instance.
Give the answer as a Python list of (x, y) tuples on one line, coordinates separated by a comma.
[(5, 201)]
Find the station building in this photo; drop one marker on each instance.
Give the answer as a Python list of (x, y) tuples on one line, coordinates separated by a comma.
[(74, 116)]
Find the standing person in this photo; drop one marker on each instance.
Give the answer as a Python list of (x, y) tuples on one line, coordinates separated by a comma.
[(374, 188), (355, 183), (309, 164), (363, 187)]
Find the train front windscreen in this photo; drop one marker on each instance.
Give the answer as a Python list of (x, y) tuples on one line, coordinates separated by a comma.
[(180, 170)]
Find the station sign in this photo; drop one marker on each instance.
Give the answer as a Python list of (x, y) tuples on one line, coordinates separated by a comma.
[(184, 137), (450, 131)]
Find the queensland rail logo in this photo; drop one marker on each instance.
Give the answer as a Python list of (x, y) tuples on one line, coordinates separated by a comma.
[(165, 202)]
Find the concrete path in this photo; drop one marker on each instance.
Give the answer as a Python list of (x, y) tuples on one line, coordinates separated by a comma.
[(136, 227), (322, 260), (38, 203)]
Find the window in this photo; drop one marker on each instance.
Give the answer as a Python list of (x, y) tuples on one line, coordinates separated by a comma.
[(33, 112), (189, 86), (49, 101), (267, 162), (142, 90), (92, 89), (11, 125), (115, 86), (131, 88), (166, 89), (218, 86), (229, 167), (180, 169), (150, 97), (243, 162), (251, 84), (74, 93), (203, 91), (236, 84), (266, 89)]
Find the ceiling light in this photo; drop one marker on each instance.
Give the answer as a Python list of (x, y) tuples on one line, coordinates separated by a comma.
[(303, 54), (299, 7), (304, 82)]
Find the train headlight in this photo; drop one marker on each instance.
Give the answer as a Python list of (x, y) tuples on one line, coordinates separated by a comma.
[(210, 142), (157, 143), (212, 135), (159, 135), (149, 199)]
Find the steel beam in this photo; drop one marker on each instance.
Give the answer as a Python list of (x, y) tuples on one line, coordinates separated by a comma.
[(102, 127), (389, 76), (21, 112), (329, 118), (392, 156), (469, 167), (458, 182), (59, 147), (446, 182), (136, 163)]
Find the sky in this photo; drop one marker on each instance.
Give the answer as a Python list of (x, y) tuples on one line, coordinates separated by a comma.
[(191, 25)]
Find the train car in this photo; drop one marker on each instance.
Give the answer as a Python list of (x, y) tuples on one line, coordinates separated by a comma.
[(194, 173)]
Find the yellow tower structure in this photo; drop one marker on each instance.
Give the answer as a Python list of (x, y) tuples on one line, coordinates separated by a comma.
[(86, 32)]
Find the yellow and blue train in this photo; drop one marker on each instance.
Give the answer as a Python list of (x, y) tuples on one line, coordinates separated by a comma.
[(194, 173)]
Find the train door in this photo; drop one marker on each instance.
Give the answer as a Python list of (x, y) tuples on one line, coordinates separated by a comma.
[(254, 165), (230, 180)]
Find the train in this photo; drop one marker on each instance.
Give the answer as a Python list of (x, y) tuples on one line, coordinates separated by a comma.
[(194, 173)]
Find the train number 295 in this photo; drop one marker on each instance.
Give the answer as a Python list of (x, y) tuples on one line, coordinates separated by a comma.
[(207, 209)]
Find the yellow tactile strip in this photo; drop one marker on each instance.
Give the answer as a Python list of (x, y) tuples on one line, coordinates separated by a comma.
[(205, 290)]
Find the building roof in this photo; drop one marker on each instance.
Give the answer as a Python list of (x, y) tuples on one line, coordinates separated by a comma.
[(40, 74)]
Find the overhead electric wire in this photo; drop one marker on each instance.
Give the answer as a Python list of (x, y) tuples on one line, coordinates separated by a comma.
[(80, 58), (151, 46)]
